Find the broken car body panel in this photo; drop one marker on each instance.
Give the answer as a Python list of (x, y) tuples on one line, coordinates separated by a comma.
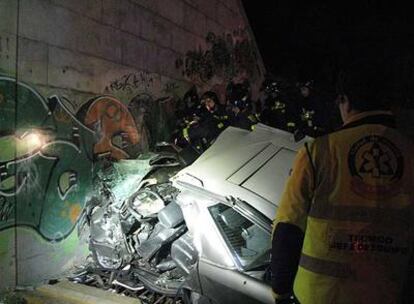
[(245, 171), (206, 232), (252, 166)]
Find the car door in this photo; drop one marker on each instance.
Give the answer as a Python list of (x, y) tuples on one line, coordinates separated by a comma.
[(249, 245)]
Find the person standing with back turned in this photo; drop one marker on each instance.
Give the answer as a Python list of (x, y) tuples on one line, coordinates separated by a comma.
[(343, 232)]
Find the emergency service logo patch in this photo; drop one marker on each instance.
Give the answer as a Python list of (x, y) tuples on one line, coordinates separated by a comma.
[(376, 166)]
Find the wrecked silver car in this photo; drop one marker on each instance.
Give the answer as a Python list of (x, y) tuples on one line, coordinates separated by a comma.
[(198, 234)]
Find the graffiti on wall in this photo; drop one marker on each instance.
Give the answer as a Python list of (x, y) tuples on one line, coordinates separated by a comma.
[(44, 169), (154, 116), (228, 56), (49, 154), (131, 82), (112, 119), (6, 209)]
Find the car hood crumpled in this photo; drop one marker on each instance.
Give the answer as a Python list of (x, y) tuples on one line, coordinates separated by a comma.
[(251, 166)]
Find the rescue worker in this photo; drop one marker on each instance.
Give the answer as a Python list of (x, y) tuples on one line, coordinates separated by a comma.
[(312, 111), (186, 113), (238, 96), (188, 107), (210, 121), (274, 110), (279, 110), (343, 232)]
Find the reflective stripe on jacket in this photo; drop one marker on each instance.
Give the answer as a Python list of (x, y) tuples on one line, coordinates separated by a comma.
[(351, 193)]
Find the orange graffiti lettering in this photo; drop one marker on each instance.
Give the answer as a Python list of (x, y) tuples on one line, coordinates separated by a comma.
[(110, 118)]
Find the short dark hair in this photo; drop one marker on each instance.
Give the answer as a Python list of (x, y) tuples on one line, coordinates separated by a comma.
[(366, 84)]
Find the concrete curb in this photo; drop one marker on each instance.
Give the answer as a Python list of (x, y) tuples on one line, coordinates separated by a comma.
[(82, 294)]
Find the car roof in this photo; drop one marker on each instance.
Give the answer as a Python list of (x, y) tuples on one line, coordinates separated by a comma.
[(252, 166)]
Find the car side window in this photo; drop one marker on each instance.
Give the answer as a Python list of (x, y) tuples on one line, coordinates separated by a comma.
[(249, 244)]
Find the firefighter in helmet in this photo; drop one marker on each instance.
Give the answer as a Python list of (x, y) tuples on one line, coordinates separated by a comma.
[(210, 121), (311, 109), (238, 96), (279, 110)]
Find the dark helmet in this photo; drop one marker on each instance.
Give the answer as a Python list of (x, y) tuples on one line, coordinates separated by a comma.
[(242, 103), (272, 85), (211, 95), (308, 84), (239, 94), (272, 88)]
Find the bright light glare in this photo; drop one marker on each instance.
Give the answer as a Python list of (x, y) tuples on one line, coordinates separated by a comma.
[(33, 140), (30, 142)]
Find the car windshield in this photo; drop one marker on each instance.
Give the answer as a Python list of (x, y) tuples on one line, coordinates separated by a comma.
[(249, 243)]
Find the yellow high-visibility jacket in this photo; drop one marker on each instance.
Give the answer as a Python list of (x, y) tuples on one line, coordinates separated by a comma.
[(352, 194)]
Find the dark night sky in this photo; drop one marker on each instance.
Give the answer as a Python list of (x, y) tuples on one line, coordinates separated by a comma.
[(308, 40)]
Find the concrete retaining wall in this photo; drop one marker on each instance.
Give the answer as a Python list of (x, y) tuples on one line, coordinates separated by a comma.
[(79, 64)]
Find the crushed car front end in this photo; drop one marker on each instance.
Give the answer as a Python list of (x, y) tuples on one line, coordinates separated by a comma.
[(201, 236)]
